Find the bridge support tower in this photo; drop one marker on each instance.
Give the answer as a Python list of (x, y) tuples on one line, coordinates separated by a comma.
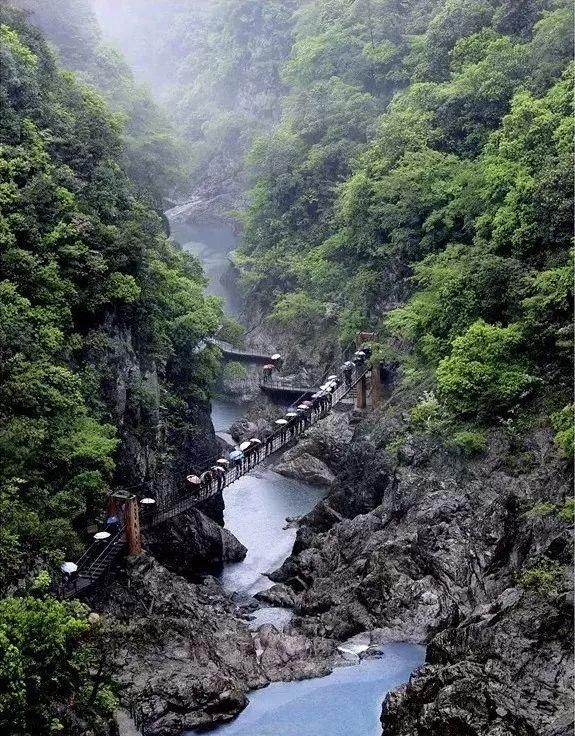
[(361, 396), (125, 506)]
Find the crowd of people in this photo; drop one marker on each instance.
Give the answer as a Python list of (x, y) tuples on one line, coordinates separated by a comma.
[(297, 419)]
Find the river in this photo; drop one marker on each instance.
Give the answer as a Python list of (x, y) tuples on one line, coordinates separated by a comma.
[(347, 702)]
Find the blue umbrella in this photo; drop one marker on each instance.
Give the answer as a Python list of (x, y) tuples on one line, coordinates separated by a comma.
[(112, 520), (236, 455)]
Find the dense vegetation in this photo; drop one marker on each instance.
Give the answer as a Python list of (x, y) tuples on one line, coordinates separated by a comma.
[(420, 183), (215, 65), (153, 155), (85, 267)]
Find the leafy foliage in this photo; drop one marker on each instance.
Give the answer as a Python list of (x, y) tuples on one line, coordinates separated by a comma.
[(421, 181), (85, 265), (50, 679)]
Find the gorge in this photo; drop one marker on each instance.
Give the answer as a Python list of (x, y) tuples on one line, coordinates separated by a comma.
[(282, 175)]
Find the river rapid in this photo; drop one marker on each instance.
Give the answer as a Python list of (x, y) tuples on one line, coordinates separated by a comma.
[(347, 702)]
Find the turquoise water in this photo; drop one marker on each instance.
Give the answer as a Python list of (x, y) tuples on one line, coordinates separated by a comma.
[(346, 703)]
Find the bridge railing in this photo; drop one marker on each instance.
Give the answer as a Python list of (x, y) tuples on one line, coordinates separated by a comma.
[(97, 559), (280, 438)]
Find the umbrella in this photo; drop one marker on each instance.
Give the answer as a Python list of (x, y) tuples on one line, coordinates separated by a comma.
[(112, 520), (348, 364), (236, 455), (223, 461), (245, 445), (255, 439), (193, 479), (292, 414), (68, 567), (307, 403), (360, 353), (271, 366), (281, 421), (204, 475), (148, 501), (276, 356), (325, 387), (102, 535), (331, 378), (218, 468)]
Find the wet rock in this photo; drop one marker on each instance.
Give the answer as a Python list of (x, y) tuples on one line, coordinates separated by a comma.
[(191, 542), (186, 657), (305, 467), (278, 595), (422, 545), (244, 429)]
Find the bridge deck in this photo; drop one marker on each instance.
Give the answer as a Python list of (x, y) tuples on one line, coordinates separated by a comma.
[(99, 557)]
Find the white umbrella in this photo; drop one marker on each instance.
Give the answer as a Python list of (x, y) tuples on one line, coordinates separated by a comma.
[(255, 439), (276, 356), (281, 421), (302, 406), (360, 353), (223, 461), (193, 479), (324, 387), (292, 414), (245, 445), (148, 501), (102, 535), (69, 567), (331, 378), (218, 468)]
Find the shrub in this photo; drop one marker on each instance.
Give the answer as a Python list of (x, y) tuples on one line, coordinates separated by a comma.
[(483, 376), (541, 508), (567, 511), (562, 423), (427, 414), (232, 332), (234, 372), (543, 579), (470, 442)]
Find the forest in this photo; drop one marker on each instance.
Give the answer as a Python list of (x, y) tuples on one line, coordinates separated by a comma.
[(402, 166), (84, 260)]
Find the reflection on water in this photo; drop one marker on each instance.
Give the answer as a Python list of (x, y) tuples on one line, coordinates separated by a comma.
[(211, 245), (256, 509), (345, 703)]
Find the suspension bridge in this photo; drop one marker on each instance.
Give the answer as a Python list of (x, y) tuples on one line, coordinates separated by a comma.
[(131, 515)]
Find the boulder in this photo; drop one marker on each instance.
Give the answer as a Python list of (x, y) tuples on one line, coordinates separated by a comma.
[(305, 467), (193, 541)]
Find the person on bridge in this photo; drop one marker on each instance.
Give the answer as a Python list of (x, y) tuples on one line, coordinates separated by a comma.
[(348, 372), (267, 373), (278, 361), (366, 349)]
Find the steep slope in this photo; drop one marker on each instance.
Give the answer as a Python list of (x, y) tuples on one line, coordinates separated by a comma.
[(101, 316)]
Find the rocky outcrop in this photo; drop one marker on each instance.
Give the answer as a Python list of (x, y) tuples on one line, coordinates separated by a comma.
[(305, 467), (505, 669), (184, 653), (414, 542), (192, 542)]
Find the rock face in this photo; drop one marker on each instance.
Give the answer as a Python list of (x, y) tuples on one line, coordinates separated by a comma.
[(320, 451), (503, 670), (306, 467), (186, 656), (191, 542), (413, 542)]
